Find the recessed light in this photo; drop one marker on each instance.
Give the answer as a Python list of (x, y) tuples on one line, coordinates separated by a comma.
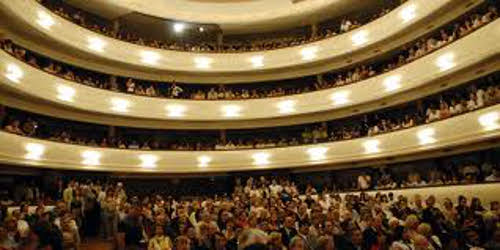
[(203, 62), (360, 37), (14, 73), (392, 83), (204, 160), (287, 106), (446, 61), (91, 158), (317, 153), (34, 151), (261, 158), (371, 146), (149, 57), (120, 105), (340, 97), (179, 27), (148, 160), (65, 93), (45, 20), (257, 61), (96, 44), (309, 53), (426, 136), (231, 110), (490, 121)]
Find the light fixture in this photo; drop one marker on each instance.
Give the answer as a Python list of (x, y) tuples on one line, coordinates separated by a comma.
[(149, 57), (34, 151), (14, 73), (203, 62), (371, 146), (120, 105), (408, 13), (201, 29), (65, 93), (231, 110), (203, 161), (446, 61), (148, 160), (287, 106), (96, 44), (317, 153), (176, 110), (45, 20), (490, 121), (257, 61), (360, 37), (91, 158), (426, 136), (392, 83), (261, 158), (179, 27), (309, 53), (340, 97)]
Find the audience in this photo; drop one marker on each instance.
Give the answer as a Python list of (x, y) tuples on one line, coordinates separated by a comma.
[(251, 91), (459, 100), (261, 212), (203, 38)]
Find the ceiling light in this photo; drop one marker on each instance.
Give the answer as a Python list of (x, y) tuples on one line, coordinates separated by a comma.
[(96, 44), (91, 157), (34, 151), (179, 27), (426, 136), (446, 61), (490, 121), (408, 13), (341, 97), (45, 20), (149, 57), (287, 106), (148, 160), (371, 146), (317, 153), (261, 158), (13, 73), (201, 29), (203, 62), (309, 53), (360, 38), (392, 83), (231, 110), (257, 61), (203, 161), (176, 110), (119, 105), (65, 93)]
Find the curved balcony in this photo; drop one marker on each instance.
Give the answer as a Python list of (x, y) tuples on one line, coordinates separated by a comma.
[(476, 54), (54, 34), (476, 129)]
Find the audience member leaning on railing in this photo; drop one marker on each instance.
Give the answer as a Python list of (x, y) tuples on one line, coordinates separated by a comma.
[(197, 44), (265, 212), (421, 48), (483, 93)]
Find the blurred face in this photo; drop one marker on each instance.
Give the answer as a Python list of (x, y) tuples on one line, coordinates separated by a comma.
[(182, 244), (357, 237), (159, 230), (298, 245), (288, 222)]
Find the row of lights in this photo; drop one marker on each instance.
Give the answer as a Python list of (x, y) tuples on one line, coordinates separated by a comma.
[(151, 58), (338, 98), (489, 121)]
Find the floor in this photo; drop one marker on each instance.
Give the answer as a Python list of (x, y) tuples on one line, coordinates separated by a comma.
[(96, 244)]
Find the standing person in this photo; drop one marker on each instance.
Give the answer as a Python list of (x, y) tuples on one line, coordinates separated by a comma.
[(159, 241), (132, 229)]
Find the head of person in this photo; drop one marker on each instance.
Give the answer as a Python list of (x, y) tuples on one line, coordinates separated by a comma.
[(288, 223), (326, 243), (297, 243), (159, 230), (275, 240), (182, 243)]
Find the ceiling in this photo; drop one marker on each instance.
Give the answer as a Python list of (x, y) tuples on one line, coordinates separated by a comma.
[(233, 16)]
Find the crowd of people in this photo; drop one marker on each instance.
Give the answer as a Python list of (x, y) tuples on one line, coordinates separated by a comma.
[(175, 90), (481, 93), (238, 44), (277, 211)]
